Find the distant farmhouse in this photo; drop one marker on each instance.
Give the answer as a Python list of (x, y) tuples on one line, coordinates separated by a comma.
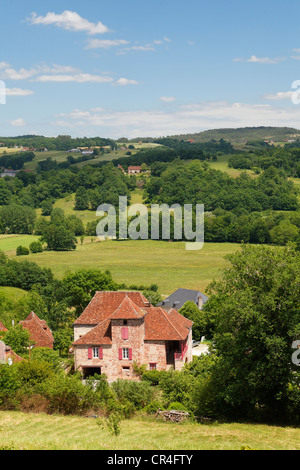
[(133, 170), (181, 296)]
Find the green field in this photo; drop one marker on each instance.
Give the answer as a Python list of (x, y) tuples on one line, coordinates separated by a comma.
[(9, 243), (166, 264), (24, 431)]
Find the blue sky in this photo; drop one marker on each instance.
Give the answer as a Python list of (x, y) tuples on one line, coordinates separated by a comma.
[(147, 67)]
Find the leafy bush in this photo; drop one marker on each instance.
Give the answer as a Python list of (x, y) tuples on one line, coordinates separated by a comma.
[(36, 247), (152, 408), (66, 394), (139, 394), (177, 406), (22, 250)]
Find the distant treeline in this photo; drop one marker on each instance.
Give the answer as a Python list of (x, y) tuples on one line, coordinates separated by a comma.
[(61, 142), (287, 158)]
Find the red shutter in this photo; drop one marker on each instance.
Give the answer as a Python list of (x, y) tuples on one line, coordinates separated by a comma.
[(90, 353), (130, 354), (120, 354), (124, 333), (100, 353)]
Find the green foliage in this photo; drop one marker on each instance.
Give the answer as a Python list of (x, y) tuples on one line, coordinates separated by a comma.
[(18, 338), (36, 247), (255, 309), (176, 405), (112, 424), (81, 286), (192, 312), (15, 218), (138, 393), (66, 394), (48, 356), (22, 251)]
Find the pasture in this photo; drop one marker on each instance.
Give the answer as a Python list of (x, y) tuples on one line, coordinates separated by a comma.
[(25, 431), (138, 262)]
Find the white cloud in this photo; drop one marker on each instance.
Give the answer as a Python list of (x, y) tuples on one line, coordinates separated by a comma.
[(105, 43), (18, 122), (281, 95), (69, 20), (125, 82), (78, 78), (180, 120), (18, 92), (7, 72), (260, 60), (168, 99)]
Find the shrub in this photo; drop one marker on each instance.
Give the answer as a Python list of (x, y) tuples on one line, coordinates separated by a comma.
[(22, 251), (36, 247), (176, 405), (152, 408), (139, 394), (66, 394)]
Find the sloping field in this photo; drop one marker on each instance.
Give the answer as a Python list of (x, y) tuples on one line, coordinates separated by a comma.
[(22, 431)]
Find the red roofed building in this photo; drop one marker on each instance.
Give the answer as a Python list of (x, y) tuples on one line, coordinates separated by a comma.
[(118, 329), (132, 170), (40, 332)]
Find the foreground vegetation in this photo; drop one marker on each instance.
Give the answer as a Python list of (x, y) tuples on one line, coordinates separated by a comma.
[(22, 431)]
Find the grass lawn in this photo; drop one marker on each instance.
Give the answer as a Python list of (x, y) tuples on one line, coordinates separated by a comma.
[(166, 264), (22, 431), (9, 243), (12, 293)]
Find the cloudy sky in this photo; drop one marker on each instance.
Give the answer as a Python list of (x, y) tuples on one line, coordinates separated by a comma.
[(147, 67)]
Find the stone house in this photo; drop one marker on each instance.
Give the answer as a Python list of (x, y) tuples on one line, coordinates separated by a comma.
[(118, 329)]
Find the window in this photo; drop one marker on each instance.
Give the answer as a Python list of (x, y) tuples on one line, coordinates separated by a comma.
[(152, 366), (125, 353), (95, 353), (125, 322)]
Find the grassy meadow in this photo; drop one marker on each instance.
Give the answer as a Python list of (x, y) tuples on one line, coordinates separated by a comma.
[(24, 431), (166, 264)]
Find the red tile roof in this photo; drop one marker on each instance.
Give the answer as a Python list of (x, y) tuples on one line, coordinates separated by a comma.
[(101, 334), (128, 310), (105, 303), (39, 331), (162, 325), (106, 306)]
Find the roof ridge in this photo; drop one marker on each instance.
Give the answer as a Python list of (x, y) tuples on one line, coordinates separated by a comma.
[(164, 313), (38, 321), (133, 305)]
